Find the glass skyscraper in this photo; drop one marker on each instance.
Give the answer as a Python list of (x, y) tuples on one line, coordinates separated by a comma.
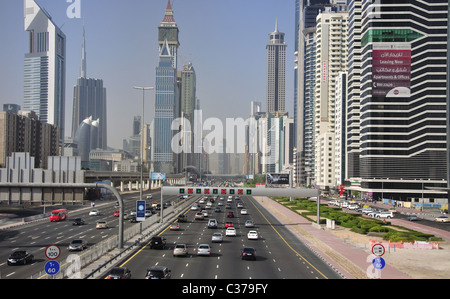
[(166, 93), (44, 67)]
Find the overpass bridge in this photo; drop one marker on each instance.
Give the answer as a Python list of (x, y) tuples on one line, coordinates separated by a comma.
[(131, 180)]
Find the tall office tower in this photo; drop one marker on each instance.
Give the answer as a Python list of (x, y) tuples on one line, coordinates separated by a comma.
[(45, 67), (305, 28), (89, 101), (331, 58), (276, 72), (188, 106), (166, 94), (403, 98), (352, 137)]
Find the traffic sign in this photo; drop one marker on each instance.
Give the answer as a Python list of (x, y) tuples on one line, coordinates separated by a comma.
[(378, 249), (52, 267), (379, 263), (140, 210), (52, 252)]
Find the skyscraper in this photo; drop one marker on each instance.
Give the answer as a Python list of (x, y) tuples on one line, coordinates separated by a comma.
[(166, 93), (402, 98), (331, 58), (89, 101), (45, 67), (276, 72)]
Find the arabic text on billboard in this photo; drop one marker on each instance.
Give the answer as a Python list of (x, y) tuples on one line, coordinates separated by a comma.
[(391, 70), (277, 179)]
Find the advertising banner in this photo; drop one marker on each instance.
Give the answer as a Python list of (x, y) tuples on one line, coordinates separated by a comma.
[(277, 178), (391, 70), (158, 176)]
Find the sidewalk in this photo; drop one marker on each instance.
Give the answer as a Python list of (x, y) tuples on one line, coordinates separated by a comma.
[(349, 261)]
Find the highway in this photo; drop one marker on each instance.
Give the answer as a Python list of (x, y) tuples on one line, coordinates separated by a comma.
[(279, 254), (35, 237)]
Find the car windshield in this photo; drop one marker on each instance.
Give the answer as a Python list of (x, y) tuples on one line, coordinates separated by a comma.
[(117, 271), (155, 274), (179, 246), (77, 241), (55, 213), (18, 254)]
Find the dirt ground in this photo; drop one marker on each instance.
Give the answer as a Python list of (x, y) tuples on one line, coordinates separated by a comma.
[(417, 263)]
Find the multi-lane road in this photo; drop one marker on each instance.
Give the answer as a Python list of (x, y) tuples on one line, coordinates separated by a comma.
[(35, 237), (279, 254)]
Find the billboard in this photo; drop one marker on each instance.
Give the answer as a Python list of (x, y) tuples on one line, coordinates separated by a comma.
[(277, 178), (391, 70), (158, 176)]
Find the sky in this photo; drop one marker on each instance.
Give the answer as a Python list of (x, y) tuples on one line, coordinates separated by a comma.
[(224, 39)]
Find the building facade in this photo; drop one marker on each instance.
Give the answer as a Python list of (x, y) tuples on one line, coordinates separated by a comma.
[(276, 72), (23, 132), (45, 67), (403, 98), (167, 94), (331, 59)]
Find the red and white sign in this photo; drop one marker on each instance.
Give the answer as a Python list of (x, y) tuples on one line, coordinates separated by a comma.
[(378, 249), (52, 252)]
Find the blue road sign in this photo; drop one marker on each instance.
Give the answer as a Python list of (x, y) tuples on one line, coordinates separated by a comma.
[(379, 263), (140, 210), (51, 267)]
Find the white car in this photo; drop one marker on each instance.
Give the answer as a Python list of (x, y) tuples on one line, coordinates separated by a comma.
[(194, 208), (94, 213), (231, 232), (180, 250), (204, 249), (252, 235), (385, 215), (244, 212)]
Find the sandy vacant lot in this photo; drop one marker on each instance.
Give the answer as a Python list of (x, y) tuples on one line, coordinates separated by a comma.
[(417, 263)]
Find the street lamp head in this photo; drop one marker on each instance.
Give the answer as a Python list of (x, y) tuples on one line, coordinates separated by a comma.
[(143, 88)]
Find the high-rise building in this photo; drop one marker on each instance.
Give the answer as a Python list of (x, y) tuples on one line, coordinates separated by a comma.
[(304, 84), (276, 72), (166, 96), (45, 67), (331, 58), (89, 101), (402, 127)]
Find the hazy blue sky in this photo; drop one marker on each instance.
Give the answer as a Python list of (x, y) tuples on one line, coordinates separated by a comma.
[(224, 39)]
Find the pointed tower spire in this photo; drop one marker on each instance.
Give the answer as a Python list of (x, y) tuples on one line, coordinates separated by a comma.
[(168, 16), (83, 56), (276, 25)]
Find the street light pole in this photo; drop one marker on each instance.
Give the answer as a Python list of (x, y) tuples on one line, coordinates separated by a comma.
[(142, 137)]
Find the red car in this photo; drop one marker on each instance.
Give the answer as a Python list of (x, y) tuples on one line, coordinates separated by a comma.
[(228, 224), (230, 215), (117, 213)]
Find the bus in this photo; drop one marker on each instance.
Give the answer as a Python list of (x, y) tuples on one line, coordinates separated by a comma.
[(59, 215)]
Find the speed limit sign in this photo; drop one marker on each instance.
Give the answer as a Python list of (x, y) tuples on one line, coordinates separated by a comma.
[(52, 252)]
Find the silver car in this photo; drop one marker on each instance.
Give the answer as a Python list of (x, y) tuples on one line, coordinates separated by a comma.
[(180, 249), (77, 244), (204, 249), (217, 238)]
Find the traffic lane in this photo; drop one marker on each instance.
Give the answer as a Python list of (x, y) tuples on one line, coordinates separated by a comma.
[(312, 266)]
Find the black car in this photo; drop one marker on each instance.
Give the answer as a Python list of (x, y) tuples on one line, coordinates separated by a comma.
[(158, 243), (78, 221), (158, 272), (119, 273), (248, 253), (20, 257), (182, 218)]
